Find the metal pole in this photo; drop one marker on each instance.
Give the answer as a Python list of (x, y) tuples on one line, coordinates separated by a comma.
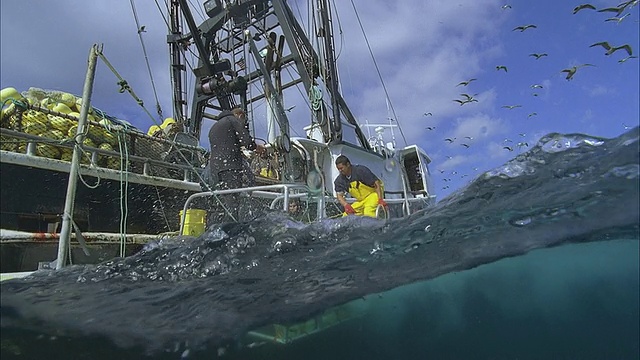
[(65, 232)]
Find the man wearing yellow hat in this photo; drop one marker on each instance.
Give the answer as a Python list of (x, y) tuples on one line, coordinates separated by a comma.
[(170, 127)]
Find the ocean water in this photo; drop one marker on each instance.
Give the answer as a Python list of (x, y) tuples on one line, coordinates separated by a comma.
[(535, 259)]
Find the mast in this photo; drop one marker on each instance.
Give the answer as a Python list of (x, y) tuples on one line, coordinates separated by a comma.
[(177, 67), (331, 75)]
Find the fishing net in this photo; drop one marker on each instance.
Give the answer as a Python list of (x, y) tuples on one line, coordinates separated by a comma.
[(44, 123)]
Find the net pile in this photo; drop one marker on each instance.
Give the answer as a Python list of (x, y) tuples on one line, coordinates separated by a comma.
[(49, 121)]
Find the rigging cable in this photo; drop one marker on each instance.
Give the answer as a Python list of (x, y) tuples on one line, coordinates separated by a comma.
[(375, 63), (140, 30)]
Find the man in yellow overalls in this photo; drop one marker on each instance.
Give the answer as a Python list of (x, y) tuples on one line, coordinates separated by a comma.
[(362, 184)]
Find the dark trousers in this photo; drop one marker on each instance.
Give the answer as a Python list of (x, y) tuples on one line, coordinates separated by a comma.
[(224, 208)]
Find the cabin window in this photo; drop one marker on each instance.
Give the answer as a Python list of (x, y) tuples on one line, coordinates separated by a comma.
[(349, 134)]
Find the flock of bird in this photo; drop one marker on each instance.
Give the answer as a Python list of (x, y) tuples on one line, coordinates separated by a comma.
[(508, 144)]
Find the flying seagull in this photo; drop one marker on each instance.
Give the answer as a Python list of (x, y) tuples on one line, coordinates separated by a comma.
[(142, 29), (611, 49), (618, 19), (507, 6), (536, 86), (465, 145), (583, 6), (627, 58), (468, 99), (465, 83), (538, 56), (469, 137), (450, 140), (618, 10), (508, 148), (572, 70), (289, 108), (511, 107), (524, 27), (502, 67), (523, 144), (430, 128), (427, 114), (532, 114)]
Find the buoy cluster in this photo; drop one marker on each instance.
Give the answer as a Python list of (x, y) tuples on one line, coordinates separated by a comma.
[(57, 127)]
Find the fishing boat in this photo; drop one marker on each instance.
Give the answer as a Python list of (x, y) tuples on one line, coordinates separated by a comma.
[(134, 183)]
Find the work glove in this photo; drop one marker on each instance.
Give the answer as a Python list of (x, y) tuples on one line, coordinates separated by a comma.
[(349, 209), (383, 203)]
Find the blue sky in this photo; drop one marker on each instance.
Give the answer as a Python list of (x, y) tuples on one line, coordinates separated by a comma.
[(423, 49)]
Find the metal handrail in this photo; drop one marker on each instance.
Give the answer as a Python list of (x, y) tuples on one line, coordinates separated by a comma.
[(285, 188), (114, 154)]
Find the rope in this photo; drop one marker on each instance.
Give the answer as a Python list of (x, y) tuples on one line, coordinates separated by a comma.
[(146, 59), (124, 191), (375, 63), (124, 86)]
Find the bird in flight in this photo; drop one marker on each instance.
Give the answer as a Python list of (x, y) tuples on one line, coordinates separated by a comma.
[(142, 29), (538, 56), (523, 144), (511, 107), (289, 108), (508, 148), (427, 114), (572, 70), (536, 86), (430, 128), (469, 137), (465, 145), (450, 140), (532, 114), (524, 27), (502, 67), (468, 99), (505, 7), (611, 49), (618, 19), (627, 58), (465, 83), (618, 9), (583, 6), (522, 134)]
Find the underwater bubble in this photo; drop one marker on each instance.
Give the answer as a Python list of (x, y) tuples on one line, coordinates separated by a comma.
[(314, 181), (390, 165), (521, 222), (510, 170), (554, 143), (377, 246), (628, 172)]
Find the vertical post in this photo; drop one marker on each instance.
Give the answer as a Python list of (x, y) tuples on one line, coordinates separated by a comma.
[(65, 232)]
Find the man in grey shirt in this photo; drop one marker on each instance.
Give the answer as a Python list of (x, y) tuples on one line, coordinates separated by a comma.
[(227, 163)]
